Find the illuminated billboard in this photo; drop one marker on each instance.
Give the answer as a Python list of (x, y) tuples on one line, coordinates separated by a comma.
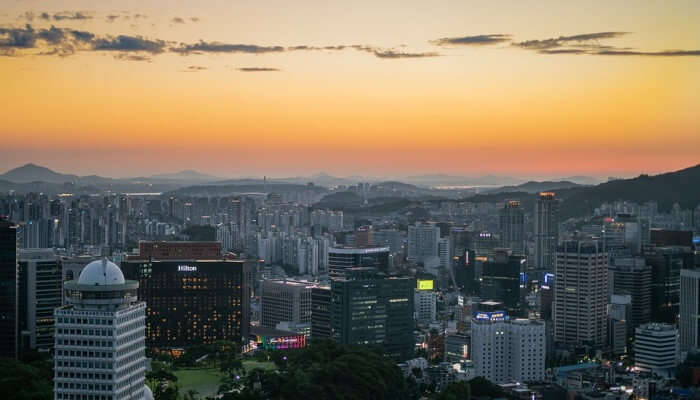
[(278, 342), (490, 316), (425, 284)]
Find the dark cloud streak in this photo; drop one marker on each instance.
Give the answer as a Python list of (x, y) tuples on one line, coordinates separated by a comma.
[(478, 40)]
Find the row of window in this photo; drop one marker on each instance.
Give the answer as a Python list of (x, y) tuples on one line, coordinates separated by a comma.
[(83, 375), (84, 321), (84, 386), (91, 343), (91, 332)]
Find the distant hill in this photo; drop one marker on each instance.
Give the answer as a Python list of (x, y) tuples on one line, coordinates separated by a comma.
[(534, 187), (582, 180), (682, 187), (187, 175), (36, 173)]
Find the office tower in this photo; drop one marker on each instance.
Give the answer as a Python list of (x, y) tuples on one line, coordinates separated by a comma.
[(507, 351), (619, 311), (40, 292), (546, 230), (163, 250), (372, 309), (100, 349), (632, 276), (656, 348), (423, 241), (341, 258), (690, 310), (461, 241), (288, 301), (320, 312), (444, 253), (580, 293), (512, 227), (390, 238), (9, 322), (465, 273), (425, 301), (364, 236), (192, 302), (625, 231), (666, 237), (501, 279), (666, 264), (456, 347)]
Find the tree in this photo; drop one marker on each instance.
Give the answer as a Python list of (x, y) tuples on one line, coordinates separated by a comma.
[(25, 381), (455, 391), (481, 386)]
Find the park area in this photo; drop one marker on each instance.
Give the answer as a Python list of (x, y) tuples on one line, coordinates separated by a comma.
[(205, 381)]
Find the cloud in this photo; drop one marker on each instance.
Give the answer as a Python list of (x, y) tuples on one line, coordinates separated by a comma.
[(195, 68), (194, 19), (563, 41), (218, 47), (177, 20), (71, 15), (129, 43), (132, 57), (478, 40), (60, 41), (257, 69), (112, 17), (664, 53), (391, 53), (59, 16)]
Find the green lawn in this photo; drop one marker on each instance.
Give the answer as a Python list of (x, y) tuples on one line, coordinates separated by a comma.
[(252, 364), (204, 380)]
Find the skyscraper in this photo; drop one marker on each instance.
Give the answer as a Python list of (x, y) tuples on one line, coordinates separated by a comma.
[(100, 343), (423, 241), (501, 279), (632, 276), (286, 301), (580, 293), (690, 309), (546, 230), (320, 312), (372, 309), (512, 227), (8, 289), (656, 348), (341, 258), (505, 351), (666, 265), (192, 301), (40, 292)]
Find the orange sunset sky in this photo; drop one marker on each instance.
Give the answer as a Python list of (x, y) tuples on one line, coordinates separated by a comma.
[(382, 88)]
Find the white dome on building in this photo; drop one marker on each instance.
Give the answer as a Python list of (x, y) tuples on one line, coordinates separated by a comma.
[(101, 272)]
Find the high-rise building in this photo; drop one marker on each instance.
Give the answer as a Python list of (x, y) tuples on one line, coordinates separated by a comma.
[(164, 250), (580, 293), (512, 227), (546, 230), (373, 309), (501, 279), (423, 241), (341, 258), (40, 292), (619, 322), (364, 236), (666, 264), (320, 312), (192, 301), (507, 351), (425, 301), (690, 310), (632, 276), (100, 348), (656, 348), (284, 300), (9, 321)]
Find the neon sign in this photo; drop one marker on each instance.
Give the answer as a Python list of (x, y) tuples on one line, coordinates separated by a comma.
[(490, 316), (186, 268)]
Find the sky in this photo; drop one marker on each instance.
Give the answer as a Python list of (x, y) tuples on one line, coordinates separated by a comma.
[(379, 88)]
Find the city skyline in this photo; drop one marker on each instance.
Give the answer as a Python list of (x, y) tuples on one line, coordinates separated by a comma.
[(389, 89)]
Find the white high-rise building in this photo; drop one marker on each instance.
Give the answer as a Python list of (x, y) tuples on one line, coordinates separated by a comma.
[(505, 351), (423, 241), (425, 303), (100, 337), (689, 309), (656, 348)]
